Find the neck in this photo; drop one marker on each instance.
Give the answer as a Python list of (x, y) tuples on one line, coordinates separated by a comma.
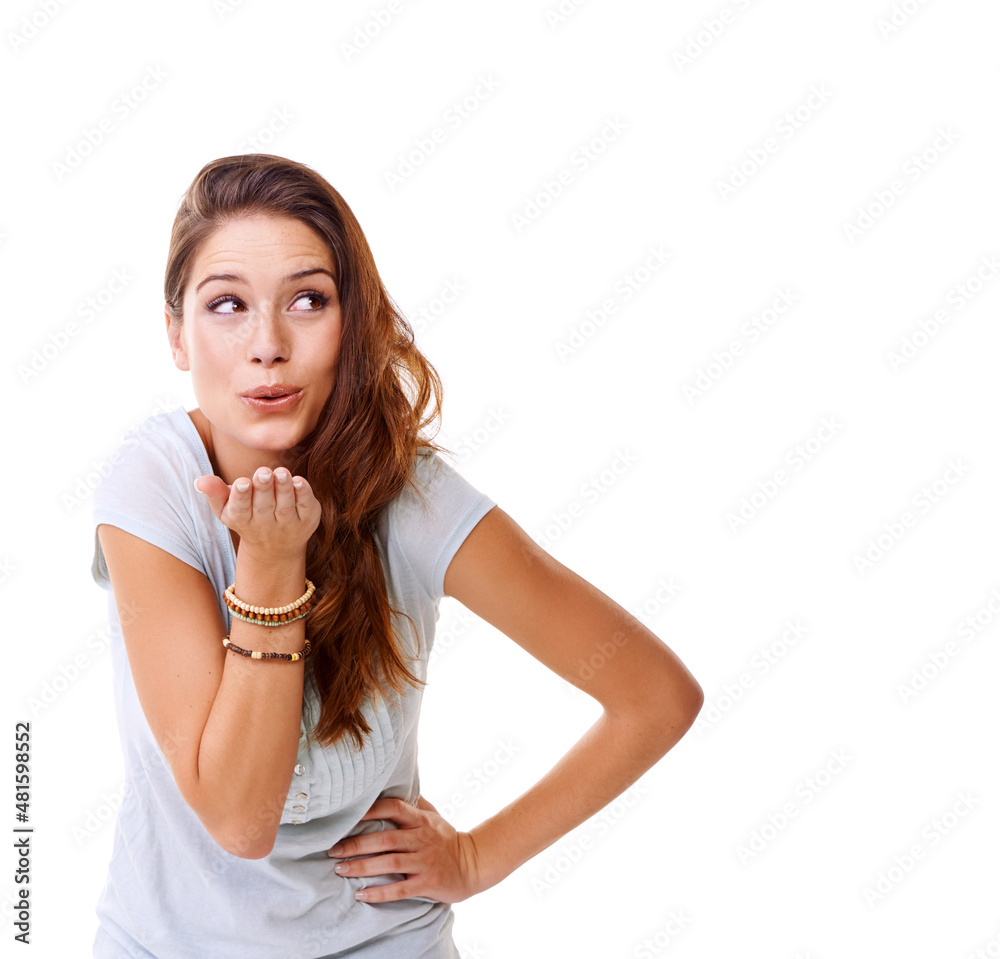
[(229, 460)]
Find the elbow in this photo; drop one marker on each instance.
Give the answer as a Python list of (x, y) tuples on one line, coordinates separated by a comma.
[(682, 711), (241, 835), (250, 842), (694, 701), (687, 706), (256, 850), (665, 718)]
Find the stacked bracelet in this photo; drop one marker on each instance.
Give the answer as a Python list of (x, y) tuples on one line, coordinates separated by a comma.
[(271, 616), (257, 654)]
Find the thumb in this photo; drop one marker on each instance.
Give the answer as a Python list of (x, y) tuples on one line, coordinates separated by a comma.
[(423, 803), (215, 490)]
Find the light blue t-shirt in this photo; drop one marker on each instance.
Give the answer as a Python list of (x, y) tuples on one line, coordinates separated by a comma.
[(172, 892)]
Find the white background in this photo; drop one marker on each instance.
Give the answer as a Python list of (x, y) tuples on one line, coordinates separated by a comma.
[(668, 101)]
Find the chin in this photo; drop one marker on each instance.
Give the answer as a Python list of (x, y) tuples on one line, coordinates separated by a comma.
[(277, 434)]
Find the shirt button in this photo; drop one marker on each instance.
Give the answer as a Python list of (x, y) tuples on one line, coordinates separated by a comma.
[(302, 796), (299, 808), (296, 822), (299, 769)]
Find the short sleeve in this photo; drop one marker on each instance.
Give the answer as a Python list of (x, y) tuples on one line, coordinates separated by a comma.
[(430, 527), (143, 494)]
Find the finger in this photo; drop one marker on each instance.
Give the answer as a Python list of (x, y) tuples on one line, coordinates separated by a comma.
[(373, 843), (303, 492), (389, 892), (214, 490), (422, 803), (366, 866), (284, 495), (263, 491), (240, 501), (398, 810)]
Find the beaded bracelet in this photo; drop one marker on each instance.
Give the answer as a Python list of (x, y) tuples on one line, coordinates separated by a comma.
[(310, 589), (267, 619), (270, 616), (257, 654)]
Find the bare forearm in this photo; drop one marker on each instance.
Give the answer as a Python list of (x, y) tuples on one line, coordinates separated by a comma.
[(608, 758), (249, 745)]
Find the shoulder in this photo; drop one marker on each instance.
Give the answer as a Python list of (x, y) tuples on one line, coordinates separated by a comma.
[(435, 491), (156, 451), (431, 517), (147, 488)]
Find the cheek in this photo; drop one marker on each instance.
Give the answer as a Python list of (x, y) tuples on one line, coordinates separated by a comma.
[(213, 352)]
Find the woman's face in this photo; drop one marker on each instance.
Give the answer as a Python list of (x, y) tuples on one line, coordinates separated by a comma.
[(272, 320)]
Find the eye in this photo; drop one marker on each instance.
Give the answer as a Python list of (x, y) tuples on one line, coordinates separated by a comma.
[(227, 298), (313, 295)]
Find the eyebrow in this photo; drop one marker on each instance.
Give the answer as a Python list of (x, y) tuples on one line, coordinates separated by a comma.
[(242, 279)]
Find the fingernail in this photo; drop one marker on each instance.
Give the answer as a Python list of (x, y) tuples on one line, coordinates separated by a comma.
[(297, 482), (361, 894), (335, 850), (340, 868), (243, 487), (282, 476), (197, 487)]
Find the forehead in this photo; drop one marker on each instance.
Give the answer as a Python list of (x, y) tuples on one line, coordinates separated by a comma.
[(265, 244)]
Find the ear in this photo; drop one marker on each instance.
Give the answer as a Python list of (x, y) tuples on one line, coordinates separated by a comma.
[(176, 341)]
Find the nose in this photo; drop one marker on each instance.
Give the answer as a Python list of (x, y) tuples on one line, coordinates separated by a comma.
[(268, 340)]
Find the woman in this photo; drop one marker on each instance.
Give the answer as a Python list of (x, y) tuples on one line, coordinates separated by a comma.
[(275, 559)]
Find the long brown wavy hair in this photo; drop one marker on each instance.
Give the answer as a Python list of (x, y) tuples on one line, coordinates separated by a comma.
[(362, 452)]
